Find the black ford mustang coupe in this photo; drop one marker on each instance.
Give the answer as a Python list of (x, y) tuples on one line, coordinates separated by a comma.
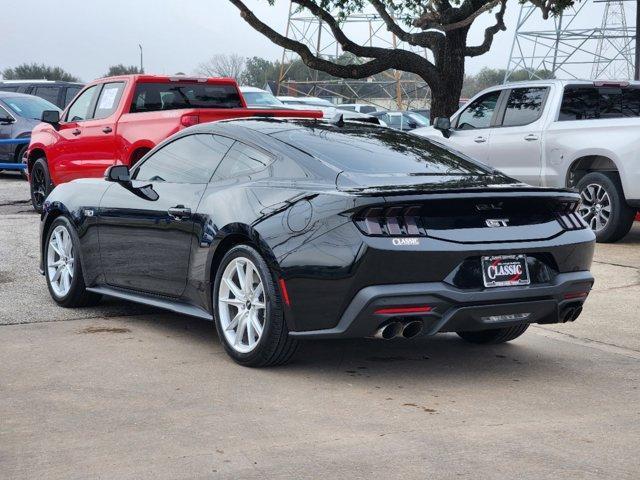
[(280, 230)]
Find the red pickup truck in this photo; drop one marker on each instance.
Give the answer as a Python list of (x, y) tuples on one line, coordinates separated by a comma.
[(119, 119)]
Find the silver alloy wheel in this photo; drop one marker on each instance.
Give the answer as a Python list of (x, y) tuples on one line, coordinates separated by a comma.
[(595, 206), (242, 305), (60, 261)]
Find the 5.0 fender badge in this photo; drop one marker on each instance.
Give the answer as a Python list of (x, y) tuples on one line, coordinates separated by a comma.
[(403, 242)]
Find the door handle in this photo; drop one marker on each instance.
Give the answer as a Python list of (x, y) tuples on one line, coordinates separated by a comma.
[(179, 212), (107, 129), (479, 139), (531, 137), (76, 132)]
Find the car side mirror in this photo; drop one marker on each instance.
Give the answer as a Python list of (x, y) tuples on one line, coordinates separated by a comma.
[(444, 125), (51, 116), (117, 173)]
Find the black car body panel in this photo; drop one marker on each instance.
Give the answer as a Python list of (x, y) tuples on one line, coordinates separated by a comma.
[(308, 217)]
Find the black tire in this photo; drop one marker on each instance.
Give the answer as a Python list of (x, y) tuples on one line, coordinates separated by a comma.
[(493, 336), (40, 183), (77, 296), (274, 346), (621, 216), (19, 154)]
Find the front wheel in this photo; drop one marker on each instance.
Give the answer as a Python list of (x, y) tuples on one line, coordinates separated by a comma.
[(62, 267), (40, 183), (495, 335), (248, 310), (603, 206)]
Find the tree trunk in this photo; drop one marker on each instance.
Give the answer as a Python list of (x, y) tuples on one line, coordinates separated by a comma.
[(449, 60)]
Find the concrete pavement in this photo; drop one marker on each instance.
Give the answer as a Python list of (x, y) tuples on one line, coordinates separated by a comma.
[(122, 391)]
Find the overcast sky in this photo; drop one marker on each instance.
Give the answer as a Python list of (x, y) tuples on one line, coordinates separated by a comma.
[(86, 37)]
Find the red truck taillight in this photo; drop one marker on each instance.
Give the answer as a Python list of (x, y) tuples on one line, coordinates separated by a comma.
[(189, 120)]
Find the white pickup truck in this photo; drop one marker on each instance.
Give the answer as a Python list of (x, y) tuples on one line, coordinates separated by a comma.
[(559, 133)]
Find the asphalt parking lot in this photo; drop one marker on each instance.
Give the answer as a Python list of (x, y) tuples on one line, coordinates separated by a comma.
[(122, 391)]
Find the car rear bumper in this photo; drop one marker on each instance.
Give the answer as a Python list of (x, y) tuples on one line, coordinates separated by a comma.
[(453, 309)]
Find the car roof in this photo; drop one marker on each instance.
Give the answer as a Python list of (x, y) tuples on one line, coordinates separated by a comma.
[(46, 82), (555, 81), (15, 95), (248, 89)]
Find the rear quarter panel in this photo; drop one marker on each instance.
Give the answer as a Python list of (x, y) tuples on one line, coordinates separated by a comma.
[(615, 139)]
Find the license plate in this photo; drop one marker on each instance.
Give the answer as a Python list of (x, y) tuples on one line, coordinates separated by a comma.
[(505, 271)]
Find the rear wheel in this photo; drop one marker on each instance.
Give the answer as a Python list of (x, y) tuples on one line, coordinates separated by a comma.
[(495, 335), (40, 183), (248, 310), (603, 206)]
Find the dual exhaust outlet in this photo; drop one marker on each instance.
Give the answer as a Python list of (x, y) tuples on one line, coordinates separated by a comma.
[(391, 330), (570, 313)]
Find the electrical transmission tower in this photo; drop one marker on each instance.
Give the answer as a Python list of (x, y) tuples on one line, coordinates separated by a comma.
[(576, 46), (614, 54), (365, 28)]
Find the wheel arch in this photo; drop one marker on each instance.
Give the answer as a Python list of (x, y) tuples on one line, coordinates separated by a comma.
[(585, 164), (35, 154), (237, 234)]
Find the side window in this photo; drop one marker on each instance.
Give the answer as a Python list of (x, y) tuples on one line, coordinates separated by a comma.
[(109, 99), (351, 108), (479, 113), (580, 103), (4, 114), (610, 102), (631, 102), (367, 109), (48, 93), (190, 159), (70, 94), (394, 120), (80, 109), (242, 160), (524, 106)]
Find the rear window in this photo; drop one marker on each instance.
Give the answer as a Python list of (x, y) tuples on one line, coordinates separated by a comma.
[(151, 97), (588, 103), (378, 150)]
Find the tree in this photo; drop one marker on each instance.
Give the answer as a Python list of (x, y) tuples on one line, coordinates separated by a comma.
[(122, 69), (442, 26), (258, 71), (33, 71), (221, 65)]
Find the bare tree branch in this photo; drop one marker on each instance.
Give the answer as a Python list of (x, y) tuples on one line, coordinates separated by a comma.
[(381, 58), (454, 18), (422, 39), (489, 33), (222, 65)]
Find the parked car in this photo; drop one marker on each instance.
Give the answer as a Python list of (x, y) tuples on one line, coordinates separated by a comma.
[(258, 98), (282, 230), (404, 121), (118, 120), (425, 112), (19, 114), (559, 133), (327, 108), (57, 92), (361, 107)]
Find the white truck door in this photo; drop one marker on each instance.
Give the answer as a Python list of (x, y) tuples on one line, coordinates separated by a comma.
[(472, 127), (515, 147)]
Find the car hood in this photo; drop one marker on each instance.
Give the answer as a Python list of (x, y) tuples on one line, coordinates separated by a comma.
[(368, 183)]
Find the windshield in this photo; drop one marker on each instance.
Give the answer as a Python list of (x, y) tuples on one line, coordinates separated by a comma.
[(29, 107), (419, 119), (360, 148), (262, 99)]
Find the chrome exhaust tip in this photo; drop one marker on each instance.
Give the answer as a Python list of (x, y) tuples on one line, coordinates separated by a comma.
[(389, 331), (412, 329)]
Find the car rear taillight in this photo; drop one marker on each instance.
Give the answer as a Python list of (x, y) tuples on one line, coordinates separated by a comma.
[(569, 218), (189, 120), (393, 221)]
